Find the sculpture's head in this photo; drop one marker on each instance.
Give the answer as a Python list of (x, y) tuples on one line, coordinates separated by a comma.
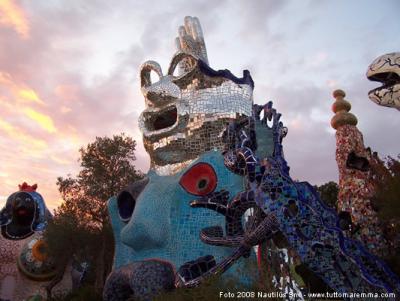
[(24, 213), (153, 219), (386, 69), (186, 111), (156, 230)]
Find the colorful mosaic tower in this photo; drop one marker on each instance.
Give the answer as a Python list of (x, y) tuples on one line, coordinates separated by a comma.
[(356, 173)]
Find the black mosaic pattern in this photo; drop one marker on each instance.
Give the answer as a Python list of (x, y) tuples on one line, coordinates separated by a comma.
[(245, 80), (193, 269)]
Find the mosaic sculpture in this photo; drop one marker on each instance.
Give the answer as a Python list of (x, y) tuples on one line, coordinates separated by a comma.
[(25, 266), (356, 177), (218, 186), (386, 69), (182, 125), (294, 208), (185, 113)]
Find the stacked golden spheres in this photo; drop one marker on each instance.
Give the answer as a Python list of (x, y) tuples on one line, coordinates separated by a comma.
[(341, 108)]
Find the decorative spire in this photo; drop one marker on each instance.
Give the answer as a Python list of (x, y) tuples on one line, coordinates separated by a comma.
[(341, 108)]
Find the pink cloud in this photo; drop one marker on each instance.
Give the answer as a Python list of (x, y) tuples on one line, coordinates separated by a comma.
[(48, 110), (12, 15)]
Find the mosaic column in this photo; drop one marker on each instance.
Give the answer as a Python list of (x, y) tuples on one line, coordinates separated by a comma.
[(356, 172)]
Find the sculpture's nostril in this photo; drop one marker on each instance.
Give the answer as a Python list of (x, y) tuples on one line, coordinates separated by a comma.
[(148, 226), (126, 204), (126, 199)]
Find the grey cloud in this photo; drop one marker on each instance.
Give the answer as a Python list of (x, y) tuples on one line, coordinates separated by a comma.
[(309, 148), (256, 14)]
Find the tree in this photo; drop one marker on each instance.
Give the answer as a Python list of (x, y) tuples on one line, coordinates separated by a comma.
[(387, 202), (387, 197), (81, 225), (329, 193)]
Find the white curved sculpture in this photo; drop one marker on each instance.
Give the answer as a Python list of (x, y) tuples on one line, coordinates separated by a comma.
[(386, 70)]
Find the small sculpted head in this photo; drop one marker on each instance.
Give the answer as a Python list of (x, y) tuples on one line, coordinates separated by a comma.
[(24, 213), (24, 219)]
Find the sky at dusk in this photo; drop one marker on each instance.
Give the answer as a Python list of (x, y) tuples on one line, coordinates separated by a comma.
[(69, 73)]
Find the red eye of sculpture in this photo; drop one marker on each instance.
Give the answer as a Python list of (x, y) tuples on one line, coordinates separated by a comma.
[(200, 180)]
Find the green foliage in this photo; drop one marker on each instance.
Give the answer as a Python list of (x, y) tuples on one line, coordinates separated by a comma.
[(329, 193), (393, 261), (313, 283), (107, 167), (81, 226), (85, 293), (65, 236), (209, 290), (387, 203), (387, 197)]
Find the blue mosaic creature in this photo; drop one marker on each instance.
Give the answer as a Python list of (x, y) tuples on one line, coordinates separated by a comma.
[(294, 208), (160, 224)]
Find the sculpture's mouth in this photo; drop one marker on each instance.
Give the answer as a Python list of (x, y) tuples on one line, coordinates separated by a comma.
[(148, 278), (141, 280), (388, 80), (160, 121), (24, 215)]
